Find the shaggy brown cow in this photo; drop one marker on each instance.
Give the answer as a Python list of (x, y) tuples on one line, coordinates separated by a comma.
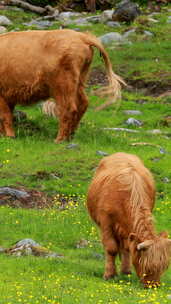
[(120, 200), (36, 65)]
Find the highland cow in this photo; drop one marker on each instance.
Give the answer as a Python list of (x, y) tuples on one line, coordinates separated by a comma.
[(120, 200), (36, 65)]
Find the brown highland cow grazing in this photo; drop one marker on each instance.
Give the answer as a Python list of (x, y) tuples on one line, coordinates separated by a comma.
[(36, 65), (120, 200)]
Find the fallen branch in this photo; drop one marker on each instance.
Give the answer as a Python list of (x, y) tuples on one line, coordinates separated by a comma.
[(121, 129), (145, 144), (27, 6)]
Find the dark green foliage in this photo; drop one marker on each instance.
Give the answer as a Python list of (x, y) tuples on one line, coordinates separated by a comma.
[(42, 2)]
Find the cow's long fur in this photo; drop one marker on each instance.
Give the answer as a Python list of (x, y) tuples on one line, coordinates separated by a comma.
[(36, 65), (120, 200)]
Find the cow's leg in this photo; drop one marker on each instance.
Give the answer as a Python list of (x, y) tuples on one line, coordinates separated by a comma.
[(125, 262), (82, 99), (6, 119), (82, 104), (66, 97), (111, 250)]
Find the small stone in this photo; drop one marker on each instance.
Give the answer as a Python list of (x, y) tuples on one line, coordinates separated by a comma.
[(134, 122), (82, 244), (25, 242), (141, 101), (93, 19), (102, 153), (72, 146), (162, 151), (169, 19), (2, 249), (165, 180), (129, 33), (152, 20), (132, 112), (113, 24), (155, 131), (67, 15), (110, 38), (106, 16), (42, 24), (3, 29), (4, 21), (148, 33), (155, 159), (14, 192), (169, 297)]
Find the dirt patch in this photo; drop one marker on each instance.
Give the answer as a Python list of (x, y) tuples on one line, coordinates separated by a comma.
[(24, 198), (152, 88), (97, 77), (21, 197)]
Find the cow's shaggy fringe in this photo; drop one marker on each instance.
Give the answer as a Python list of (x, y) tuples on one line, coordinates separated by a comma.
[(120, 200)]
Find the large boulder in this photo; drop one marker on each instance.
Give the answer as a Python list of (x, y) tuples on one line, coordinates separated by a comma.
[(126, 11)]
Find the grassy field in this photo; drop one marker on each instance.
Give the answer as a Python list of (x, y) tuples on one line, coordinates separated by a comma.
[(34, 161)]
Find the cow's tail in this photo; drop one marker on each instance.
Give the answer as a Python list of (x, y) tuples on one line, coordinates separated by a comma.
[(50, 108), (113, 90)]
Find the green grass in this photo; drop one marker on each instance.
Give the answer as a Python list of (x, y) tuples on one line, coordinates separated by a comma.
[(77, 277)]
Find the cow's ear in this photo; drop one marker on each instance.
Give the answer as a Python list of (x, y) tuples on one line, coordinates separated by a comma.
[(144, 245), (132, 237)]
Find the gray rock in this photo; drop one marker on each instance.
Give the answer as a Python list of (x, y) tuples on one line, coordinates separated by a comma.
[(106, 16), (133, 122), (148, 33), (169, 19), (2, 249), (132, 112), (152, 20), (113, 24), (129, 33), (42, 24), (72, 146), (155, 131), (162, 151), (165, 180), (67, 15), (93, 19), (102, 153), (27, 247), (126, 11), (80, 21), (121, 129), (110, 38), (3, 29), (169, 297), (14, 192), (26, 242), (4, 21)]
